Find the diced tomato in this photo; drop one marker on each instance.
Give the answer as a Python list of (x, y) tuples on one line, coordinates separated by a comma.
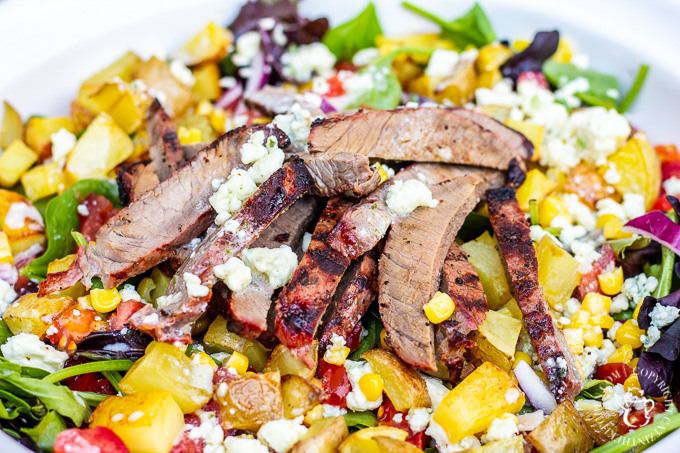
[(662, 203), (72, 326), (335, 383), (533, 76), (670, 169), (99, 210), (354, 337), (90, 382), (630, 421), (386, 414), (118, 319), (335, 87), (90, 440), (589, 282), (616, 373), (667, 153)]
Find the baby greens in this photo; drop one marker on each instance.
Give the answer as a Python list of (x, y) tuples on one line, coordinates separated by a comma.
[(634, 89), (360, 420), (593, 389), (359, 33), (373, 326), (603, 89)]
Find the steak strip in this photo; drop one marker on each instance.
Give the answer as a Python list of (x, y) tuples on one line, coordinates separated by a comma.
[(423, 134), (335, 174), (519, 256), (165, 149), (411, 266), (172, 322), (304, 300), (134, 181), (366, 223)]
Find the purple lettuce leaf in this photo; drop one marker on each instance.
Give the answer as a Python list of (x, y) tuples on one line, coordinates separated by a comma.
[(655, 374), (532, 58)]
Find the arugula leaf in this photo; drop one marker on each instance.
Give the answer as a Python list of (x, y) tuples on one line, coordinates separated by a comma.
[(91, 367), (373, 325), (619, 246), (603, 89), (634, 89), (356, 34), (594, 389), (472, 28), (45, 433), (61, 219), (359, 420)]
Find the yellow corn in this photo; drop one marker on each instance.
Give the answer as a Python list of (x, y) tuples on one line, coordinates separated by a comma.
[(593, 337), (14, 162), (521, 357), (623, 354), (439, 308), (105, 300), (520, 44), (542, 376), (550, 208), (633, 364), (314, 414), (580, 319), (632, 385), (636, 312), (611, 282), (188, 136), (574, 339), (371, 386), (383, 339), (205, 359), (596, 304), (5, 249), (238, 362), (204, 107), (629, 334), (536, 186), (217, 119), (611, 227)]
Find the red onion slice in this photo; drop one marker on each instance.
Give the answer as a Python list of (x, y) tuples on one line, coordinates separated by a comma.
[(534, 388), (656, 225), (229, 97), (8, 273)]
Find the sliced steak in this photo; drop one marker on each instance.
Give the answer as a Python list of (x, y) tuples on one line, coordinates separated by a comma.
[(365, 223), (145, 233), (335, 174), (172, 322), (191, 149), (134, 181), (461, 282), (411, 266), (304, 300), (165, 150), (272, 101), (518, 253), (423, 134)]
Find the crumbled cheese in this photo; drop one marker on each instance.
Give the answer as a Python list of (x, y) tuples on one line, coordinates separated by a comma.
[(194, 287), (234, 273), (166, 301), (442, 62), (306, 240), (279, 36), (567, 93), (244, 444), (333, 411), (619, 303), (365, 56), (182, 73), (638, 287), (587, 361), (356, 400), (231, 194), (275, 265), (436, 390), (201, 374), (612, 176), (572, 306), (611, 333), (524, 345), (296, 124), (672, 186), (63, 142), (18, 214), (247, 46), (579, 211), (117, 417), (418, 418), (600, 131), (209, 431), (444, 445), (261, 170), (403, 197), (617, 399), (281, 435), (634, 205), (585, 254), (536, 232), (26, 349), (608, 206), (7, 296), (302, 62), (501, 429), (336, 354), (227, 82), (662, 315), (129, 293), (267, 23), (651, 336), (568, 232), (254, 149), (82, 210), (500, 94)]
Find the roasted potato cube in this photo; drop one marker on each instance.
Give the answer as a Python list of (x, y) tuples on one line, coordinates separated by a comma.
[(323, 436), (122, 67), (33, 314), (390, 445), (250, 401), (533, 132), (483, 255), (166, 367), (283, 361), (145, 422), (557, 272), (207, 84), (459, 88), (210, 44), (602, 424), (512, 445), (219, 339), (126, 106), (156, 74), (5, 249), (511, 309), (362, 440), (21, 221), (639, 167), (562, 431), (12, 127), (496, 340), (43, 180), (199, 122), (403, 385), (14, 161), (39, 132), (485, 394), (299, 395)]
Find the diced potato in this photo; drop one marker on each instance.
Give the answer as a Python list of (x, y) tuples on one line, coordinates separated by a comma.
[(5, 249), (207, 84), (483, 255), (406, 71), (460, 87), (156, 74), (561, 432), (512, 445), (602, 424), (639, 167), (141, 141), (122, 67), (492, 56), (362, 440), (428, 40), (33, 314), (512, 309), (390, 445), (32, 230), (14, 162), (283, 361), (536, 186), (550, 208), (166, 367), (250, 401), (533, 132), (219, 339), (199, 122), (403, 385), (422, 85), (557, 272), (126, 106), (484, 395), (83, 109), (145, 422), (496, 340), (487, 79), (299, 395), (323, 436), (43, 180), (99, 150), (210, 44), (39, 130), (12, 127)]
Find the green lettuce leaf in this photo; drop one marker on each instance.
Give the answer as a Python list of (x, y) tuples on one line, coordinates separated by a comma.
[(359, 33), (603, 89)]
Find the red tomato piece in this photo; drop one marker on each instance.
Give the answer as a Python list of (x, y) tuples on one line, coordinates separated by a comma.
[(99, 210), (632, 420), (386, 414), (589, 282), (335, 383), (667, 153), (616, 373), (662, 203), (118, 319), (90, 440), (670, 169), (533, 76), (335, 87)]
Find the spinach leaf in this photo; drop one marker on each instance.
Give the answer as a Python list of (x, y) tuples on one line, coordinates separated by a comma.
[(5, 333), (603, 89), (61, 219), (594, 389), (625, 315), (472, 28), (359, 33), (45, 433), (92, 399), (373, 325), (634, 89), (360, 420)]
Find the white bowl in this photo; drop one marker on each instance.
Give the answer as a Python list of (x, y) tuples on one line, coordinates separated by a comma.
[(48, 48)]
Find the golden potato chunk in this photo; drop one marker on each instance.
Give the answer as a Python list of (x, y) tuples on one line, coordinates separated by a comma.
[(496, 340), (285, 362), (483, 255), (250, 401), (557, 272), (323, 436), (562, 431), (299, 395), (21, 221), (156, 74), (33, 314)]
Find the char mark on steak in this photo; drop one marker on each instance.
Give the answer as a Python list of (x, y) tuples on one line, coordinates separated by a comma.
[(304, 300), (165, 149), (336, 173), (134, 180), (411, 266), (173, 320), (519, 256)]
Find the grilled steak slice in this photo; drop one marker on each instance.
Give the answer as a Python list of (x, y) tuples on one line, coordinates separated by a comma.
[(335, 174), (304, 300), (365, 223), (135, 180), (461, 282), (423, 134), (165, 149), (517, 251), (173, 213), (411, 266), (191, 149), (354, 295), (272, 101), (172, 322)]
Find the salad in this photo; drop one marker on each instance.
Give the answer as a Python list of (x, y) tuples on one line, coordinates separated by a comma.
[(291, 237)]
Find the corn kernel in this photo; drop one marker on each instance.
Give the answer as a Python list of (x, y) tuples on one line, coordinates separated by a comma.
[(371, 386), (238, 362), (217, 119), (596, 304), (105, 300), (204, 107), (204, 359), (602, 321), (611, 227), (5, 249), (14, 161), (439, 308), (633, 364), (623, 354), (536, 186), (521, 356), (314, 414), (580, 319), (383, 339), (593, 337), (632, 385), (550, 208), (611, 282), (188, 136), (574, 339), (629, 334)]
